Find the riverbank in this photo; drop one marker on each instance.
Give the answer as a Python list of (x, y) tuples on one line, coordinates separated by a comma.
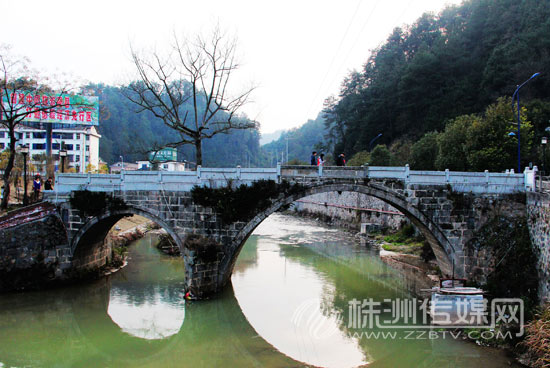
[(401, 249), (121, 235)]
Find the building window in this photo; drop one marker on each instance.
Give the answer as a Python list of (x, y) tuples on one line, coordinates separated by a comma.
[(39, 135), (87, 137), (38, 146), (2, 134), (87, 148), (68, 147), (87, 158), (78, 147), (165, 166), (77, 135), (28, 135), (77, 158), (55, 146), (56, 135), (2, 145)]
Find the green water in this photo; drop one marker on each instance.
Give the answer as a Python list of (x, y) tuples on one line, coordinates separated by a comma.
[(288, 306)]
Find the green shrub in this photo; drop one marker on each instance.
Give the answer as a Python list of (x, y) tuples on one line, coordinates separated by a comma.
[(206, 249), (515, 273), (94, 203), (245, 201)]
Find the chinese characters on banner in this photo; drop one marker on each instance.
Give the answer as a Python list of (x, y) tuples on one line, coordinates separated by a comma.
[(67, 109)]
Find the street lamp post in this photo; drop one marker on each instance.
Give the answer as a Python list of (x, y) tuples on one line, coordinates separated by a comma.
[(544, 141), (372, 141), (287, 138), (62, 155), (24, 150), (516, 95)]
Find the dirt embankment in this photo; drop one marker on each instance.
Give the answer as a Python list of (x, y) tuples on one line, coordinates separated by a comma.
[(122, 234)]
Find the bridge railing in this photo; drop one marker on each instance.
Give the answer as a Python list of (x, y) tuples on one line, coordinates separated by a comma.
[(476, 182), (159, 180)]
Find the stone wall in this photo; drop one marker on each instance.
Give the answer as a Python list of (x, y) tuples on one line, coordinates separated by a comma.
[(33, 253), (538, 217), (94, 255), (335, 207)]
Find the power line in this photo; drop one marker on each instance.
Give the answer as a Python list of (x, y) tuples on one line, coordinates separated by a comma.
[(334, 57), (356, 41)]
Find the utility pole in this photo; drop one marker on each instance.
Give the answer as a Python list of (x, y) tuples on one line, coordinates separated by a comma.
[(287, 138)]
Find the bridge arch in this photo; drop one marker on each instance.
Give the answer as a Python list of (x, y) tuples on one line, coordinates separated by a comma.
[(442, 248), (94, 231)]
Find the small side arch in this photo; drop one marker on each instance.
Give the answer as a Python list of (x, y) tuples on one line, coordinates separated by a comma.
[(94, 231), (443, 249)]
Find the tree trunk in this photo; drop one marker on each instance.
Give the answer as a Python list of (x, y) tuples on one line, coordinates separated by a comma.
[(7, 173), (198, 151)]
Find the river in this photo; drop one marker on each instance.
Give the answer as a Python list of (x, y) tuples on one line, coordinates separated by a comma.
[(289, 305)]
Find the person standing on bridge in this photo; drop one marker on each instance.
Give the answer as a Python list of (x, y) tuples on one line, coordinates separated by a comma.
[(36, 186), (48, 185), (313, 158), (341, 160), (321, 160)]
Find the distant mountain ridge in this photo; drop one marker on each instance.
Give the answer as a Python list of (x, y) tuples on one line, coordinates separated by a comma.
[(301, 141), (266, 138)]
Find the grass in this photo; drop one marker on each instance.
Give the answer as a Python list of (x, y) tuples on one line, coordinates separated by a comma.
[(403, 241), (537, 339), (405, 248)]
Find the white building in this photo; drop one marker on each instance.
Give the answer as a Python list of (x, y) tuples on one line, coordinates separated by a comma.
[(162, 166), (128, 166), (81, 143)]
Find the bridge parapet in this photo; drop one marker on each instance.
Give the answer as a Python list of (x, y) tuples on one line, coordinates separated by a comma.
[(462, 182)]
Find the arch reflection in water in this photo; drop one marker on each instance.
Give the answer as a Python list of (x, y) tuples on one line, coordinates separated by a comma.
[(144, 308), (287, 298), (154, 318)]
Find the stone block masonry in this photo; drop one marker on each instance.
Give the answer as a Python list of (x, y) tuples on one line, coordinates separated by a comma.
[(538, 217), (350, 210), (34, 248)]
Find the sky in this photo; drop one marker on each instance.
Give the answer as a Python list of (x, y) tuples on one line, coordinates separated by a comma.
[(296, 52)]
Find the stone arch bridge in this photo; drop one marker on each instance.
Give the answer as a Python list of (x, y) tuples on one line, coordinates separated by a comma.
[(447, 207)]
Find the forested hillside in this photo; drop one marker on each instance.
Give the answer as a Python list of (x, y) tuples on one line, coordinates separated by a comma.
[(445, 66), (130, 134)]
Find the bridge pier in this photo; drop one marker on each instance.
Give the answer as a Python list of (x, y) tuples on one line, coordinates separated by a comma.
[(203, 278)]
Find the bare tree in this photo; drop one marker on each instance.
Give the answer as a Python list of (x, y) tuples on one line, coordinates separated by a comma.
[(23, 94), (188, 89)]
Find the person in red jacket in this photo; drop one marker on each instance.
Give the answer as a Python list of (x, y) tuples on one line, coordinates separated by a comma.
[(321, 159)]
